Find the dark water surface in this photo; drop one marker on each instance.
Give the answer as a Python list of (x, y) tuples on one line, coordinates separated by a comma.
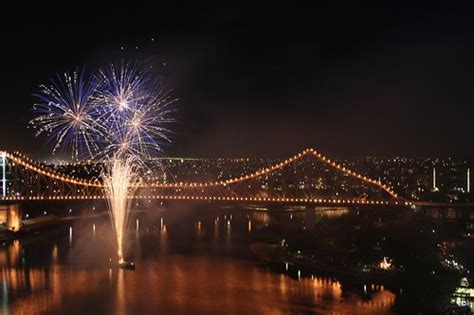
[(185, 265)]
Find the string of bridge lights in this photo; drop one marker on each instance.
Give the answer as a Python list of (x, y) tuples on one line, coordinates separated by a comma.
[(29, 164), (266, 171), (219, 198)]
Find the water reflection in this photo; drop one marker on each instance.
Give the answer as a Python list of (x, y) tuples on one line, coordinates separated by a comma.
[(180, 277), (54, 255), (5, 302), (332, 212)]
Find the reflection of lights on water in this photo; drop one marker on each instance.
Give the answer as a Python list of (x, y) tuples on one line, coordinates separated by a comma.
[(161, 223), (379, 299), (331, 212), (291, 216), (299, 274), (5, 302), (321, 292), (200, 229), (70, 235), (137, 224), (14, 253), (260, 218), (228, 228), (93, 229), (286, 266), (328, 286), (249, 226), (163, 238), (54, 254), (216, 228), (365, 289)]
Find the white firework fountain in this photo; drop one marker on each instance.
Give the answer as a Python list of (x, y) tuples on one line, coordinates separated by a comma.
[(119, 189)]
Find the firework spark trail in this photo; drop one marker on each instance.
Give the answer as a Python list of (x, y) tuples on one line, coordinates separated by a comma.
[(119, 185)]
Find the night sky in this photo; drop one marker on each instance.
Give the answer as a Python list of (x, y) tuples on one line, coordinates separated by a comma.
[(265, 80)]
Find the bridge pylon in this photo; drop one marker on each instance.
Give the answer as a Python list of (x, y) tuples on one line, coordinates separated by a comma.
[(3, 173), (10, 215)]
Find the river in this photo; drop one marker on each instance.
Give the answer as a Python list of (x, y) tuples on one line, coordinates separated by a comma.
[(185, 264)]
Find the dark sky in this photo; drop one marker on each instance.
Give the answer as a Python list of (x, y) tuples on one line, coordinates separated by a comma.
[(385, 78)]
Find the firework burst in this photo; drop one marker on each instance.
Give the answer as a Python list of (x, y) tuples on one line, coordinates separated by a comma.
[(137, 108), (65, 114), (121, 110)]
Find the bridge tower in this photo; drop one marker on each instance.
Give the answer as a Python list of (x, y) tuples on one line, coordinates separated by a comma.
[(3, 173), (435, 188), (10, 215), (468, 180)]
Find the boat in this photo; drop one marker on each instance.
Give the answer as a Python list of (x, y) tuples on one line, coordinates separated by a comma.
[(127, 265)]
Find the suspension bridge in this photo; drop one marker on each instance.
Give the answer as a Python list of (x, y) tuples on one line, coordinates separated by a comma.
[(289, 181)]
